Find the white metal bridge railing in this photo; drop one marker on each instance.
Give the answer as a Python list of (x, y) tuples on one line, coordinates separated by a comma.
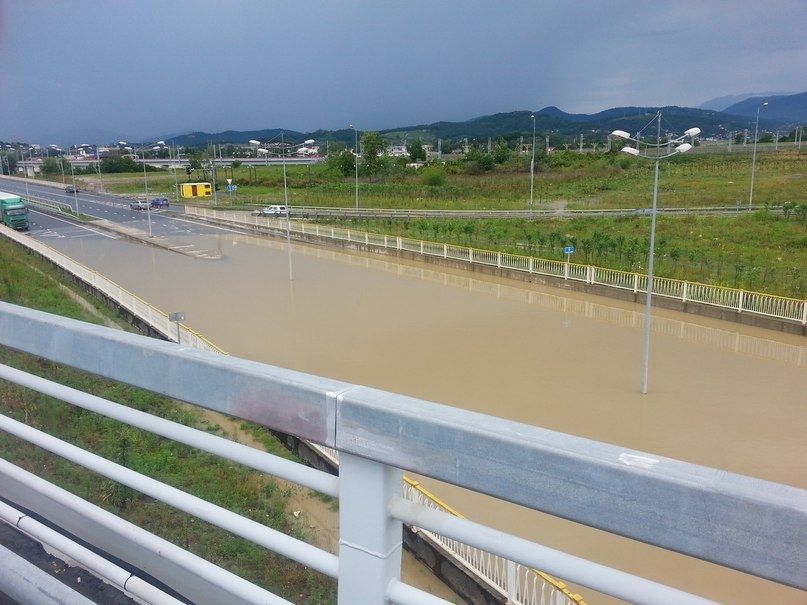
[(748, 524), (742, 301), (532, 585)]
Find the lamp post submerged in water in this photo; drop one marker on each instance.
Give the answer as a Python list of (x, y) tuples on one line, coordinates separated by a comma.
[(682, 147)]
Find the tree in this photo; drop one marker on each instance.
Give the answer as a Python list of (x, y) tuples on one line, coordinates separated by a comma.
[(236, 164), (501, 152), (343, 161), (416, 151), (371, 147), (52, 166), (478, 161), (119, 164)]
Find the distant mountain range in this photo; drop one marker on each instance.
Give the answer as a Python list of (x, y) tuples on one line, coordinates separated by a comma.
[(787, 108), (782, 111), (721, 103)]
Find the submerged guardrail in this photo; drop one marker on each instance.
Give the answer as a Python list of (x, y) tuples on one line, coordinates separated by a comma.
[(748, 524), (741, 301), (527, 587)]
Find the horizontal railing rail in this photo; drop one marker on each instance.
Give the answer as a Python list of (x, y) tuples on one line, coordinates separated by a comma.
[(741, 301), (158, 321), (154, 317), (740, 522)]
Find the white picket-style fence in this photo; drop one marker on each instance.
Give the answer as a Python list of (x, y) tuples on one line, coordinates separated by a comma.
[(741, 301)]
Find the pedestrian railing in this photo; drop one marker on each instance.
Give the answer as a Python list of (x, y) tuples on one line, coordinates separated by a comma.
[(748, 524), (158, 321), (741, 301)]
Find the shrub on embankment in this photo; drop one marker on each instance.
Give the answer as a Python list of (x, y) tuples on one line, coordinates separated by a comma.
[(28, 281)]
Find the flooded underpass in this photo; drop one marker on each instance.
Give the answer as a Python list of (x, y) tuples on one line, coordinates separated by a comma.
[(721, 394)]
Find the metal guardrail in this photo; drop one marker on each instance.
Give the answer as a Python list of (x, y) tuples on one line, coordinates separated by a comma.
[(740, 522), (147, 312), (531, 585), (741, 301), (49, 204)]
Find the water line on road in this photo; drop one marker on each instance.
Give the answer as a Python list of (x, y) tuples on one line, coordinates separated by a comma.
[(728, 396)]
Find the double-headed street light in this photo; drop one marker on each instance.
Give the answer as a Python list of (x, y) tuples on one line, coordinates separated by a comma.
[(158, 145), (532, 163), (356, 132), (286, 201), (754, 160), (681, 147)]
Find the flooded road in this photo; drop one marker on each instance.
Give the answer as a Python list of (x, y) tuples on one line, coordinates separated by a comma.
[(721, 394)]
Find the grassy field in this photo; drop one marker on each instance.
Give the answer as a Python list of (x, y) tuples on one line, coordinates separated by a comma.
[(758, 251), (564, 179), (27, 281)]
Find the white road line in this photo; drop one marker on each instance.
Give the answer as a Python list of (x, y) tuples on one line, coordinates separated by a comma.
[(74, 224), (174, 218)]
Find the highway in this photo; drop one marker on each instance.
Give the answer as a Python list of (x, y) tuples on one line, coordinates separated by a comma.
[(86, 199), (112, 208), (564, 361)]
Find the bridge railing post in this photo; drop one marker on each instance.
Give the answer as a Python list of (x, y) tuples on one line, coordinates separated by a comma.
[(370, 539)]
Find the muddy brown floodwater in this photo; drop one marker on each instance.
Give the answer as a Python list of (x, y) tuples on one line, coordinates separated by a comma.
[(721, 394)]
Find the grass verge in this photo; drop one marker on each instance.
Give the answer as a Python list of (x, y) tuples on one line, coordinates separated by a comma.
[(29, 281)]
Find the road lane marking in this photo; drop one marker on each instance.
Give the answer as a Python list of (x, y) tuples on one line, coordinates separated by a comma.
[(74, 224)]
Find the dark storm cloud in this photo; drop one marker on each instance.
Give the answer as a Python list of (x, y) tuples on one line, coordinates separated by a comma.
[(151, 68)]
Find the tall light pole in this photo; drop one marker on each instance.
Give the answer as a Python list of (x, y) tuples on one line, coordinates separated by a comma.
[(680, 148), (286, 201), (754, 160), (357, 164), (145, 181), (532, 163)]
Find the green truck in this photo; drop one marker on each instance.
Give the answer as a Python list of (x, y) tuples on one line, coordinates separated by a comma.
[(13, 212)]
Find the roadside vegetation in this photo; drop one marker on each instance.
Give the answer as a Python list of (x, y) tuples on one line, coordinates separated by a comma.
[(562, 179), (762, 251), (759, 251), (27, 281)]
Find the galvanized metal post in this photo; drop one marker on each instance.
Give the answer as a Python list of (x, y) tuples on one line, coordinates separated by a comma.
[(370, 542)]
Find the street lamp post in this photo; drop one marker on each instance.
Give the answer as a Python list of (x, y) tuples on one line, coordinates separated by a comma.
[(145, 179), (75, 190), (356, 132), (754, 160), (532, 164), (176, 318), (286, 201), (680, 148)]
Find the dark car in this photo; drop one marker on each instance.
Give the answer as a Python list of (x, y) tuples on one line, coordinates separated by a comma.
[(71, 189), (159, 202)]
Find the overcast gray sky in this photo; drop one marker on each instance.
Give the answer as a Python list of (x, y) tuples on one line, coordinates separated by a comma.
[(92, 68)]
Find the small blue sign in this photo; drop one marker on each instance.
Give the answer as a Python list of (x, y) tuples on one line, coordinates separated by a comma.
[(232, 187), (568, 250)]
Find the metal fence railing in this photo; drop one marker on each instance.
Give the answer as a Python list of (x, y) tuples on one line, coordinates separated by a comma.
[(741, 301), (478, 562), (740, 522)]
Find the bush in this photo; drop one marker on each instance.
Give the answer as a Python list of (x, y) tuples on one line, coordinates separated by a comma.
[(433, 177)]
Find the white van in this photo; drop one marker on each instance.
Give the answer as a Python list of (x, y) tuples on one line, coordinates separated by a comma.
[(270, 211)]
